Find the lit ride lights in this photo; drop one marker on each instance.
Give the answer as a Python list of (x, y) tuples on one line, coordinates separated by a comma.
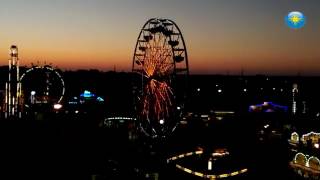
[(202, 174), (160, 56)]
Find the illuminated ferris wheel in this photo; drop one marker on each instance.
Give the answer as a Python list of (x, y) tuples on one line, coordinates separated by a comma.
[(160, 62), (42, 85)]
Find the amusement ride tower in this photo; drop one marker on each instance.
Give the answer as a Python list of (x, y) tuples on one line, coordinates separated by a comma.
[(13, 86)]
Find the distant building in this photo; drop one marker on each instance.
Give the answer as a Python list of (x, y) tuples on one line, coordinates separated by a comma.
[(268, 107), (86, 102)]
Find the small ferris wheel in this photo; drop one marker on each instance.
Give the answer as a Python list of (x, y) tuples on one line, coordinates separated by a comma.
[(42, 85)]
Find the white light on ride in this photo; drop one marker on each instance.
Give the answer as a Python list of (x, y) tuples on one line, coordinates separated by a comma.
[(210, 164), (33, 93), (57, 106)]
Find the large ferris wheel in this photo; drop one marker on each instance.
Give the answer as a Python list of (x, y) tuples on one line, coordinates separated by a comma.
[(161, 63), (42, 85)]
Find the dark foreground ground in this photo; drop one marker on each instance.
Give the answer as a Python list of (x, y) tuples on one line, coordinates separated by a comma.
[(76, 148)]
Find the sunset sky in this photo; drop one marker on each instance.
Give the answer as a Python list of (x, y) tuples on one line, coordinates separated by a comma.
[(221, 35)]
